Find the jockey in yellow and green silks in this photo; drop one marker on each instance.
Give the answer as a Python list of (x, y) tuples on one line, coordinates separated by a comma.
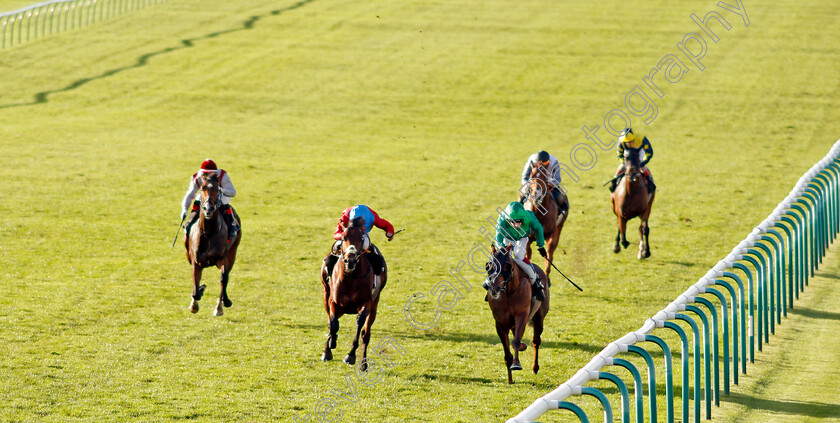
[(633, 143)]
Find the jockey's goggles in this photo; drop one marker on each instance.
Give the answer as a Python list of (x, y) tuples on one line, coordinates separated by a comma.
[(545, 163)]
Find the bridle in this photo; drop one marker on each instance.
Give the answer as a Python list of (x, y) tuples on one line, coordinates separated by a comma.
[(351, 256), (209, 205)]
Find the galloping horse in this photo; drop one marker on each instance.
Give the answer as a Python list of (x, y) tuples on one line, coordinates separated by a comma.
[(207, 243), (632, 198), (541, 202), (510, 300), (350, 290)]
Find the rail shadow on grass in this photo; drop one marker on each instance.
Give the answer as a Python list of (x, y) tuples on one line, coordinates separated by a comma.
[(802, 408), (814, 314), (43, 96)]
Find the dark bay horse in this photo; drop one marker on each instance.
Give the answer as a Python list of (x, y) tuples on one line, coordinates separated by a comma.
[(510, 301), (350, 290), (632, 198), (207, 244), (541, 202)]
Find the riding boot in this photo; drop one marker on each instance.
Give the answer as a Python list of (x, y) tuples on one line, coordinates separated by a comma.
[(651, 185), (613, 184), (329, 263), (562, 206), (233, 227), (192, 218), (536, 285), (537, 288)]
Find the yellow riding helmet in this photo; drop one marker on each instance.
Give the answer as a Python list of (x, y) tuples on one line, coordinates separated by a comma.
[(629, 138)]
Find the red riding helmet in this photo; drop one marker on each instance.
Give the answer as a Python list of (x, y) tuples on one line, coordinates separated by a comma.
[(209, 166)]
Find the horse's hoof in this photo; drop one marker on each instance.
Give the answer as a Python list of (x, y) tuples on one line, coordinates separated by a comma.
[(522, 347), (536, 369), (616, 248), (219, 311), (326, 356), (228, 302), (647, 253), (194, 306), (350, 359), (516, 366), (625, 244)]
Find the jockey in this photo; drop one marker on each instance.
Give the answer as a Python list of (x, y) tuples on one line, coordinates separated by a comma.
[(550, 163), (371, 219), (633, 143), (226, 190), (514, 227)]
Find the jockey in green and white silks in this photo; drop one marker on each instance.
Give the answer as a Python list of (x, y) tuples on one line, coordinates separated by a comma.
[(514, 227)]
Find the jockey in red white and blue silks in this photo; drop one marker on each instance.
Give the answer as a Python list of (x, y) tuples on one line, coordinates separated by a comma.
[(226, 189), (371, 219)]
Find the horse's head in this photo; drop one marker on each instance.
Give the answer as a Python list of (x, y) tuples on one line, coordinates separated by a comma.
[(210, 199), (352, 243), (499, 271), (632, 167), (538, 185)]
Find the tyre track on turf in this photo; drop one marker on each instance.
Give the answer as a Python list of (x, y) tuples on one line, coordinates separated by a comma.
[(43, 97)]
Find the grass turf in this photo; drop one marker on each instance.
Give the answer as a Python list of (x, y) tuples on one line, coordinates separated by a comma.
[(425, 111)]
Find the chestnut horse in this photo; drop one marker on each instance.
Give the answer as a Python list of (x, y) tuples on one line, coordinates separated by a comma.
[(207, 243), (350, 290), (632, 198), (513, 308), (541, 202)]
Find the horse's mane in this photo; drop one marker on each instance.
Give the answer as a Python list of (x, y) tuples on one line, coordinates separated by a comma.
[(634, 160)]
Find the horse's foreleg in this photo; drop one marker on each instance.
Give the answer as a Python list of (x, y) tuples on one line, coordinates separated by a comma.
[(223, 298), (198, 291), (551, 245), (350, 358), (538, 328), (518, 330), (622, 230), (503, 336), (366, 337), (330, 343), (644, 245)]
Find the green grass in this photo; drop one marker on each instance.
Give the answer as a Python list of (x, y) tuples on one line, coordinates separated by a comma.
[(425, 111)]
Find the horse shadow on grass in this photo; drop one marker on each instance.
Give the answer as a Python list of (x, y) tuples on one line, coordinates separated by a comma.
[(43, 96)]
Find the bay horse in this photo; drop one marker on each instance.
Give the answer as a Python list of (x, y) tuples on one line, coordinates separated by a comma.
[(350, 290), (513, 308), (541, 202), (632, 198), (207, 243)]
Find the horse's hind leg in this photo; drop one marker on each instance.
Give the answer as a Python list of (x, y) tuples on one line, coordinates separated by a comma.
[(330, 343), (503, 336), (350, 358), (198, 291)]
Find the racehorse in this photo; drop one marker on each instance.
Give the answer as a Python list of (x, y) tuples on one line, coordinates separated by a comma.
[(541, 202), (513, 308), (350, 290), (632, 198), (207, 243)]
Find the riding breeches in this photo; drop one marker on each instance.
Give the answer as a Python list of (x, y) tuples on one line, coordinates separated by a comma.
[(519, 249)]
